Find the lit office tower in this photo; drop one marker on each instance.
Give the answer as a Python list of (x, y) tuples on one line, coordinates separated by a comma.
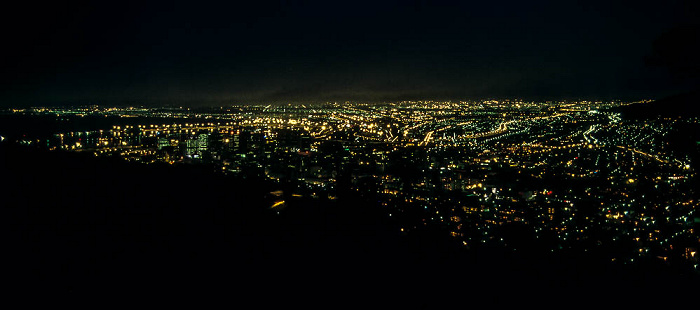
[(202, 142), (191, 146), (236, 142), (227, 144), (163, 142)]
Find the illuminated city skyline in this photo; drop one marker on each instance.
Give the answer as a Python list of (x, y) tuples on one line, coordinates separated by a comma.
[(566, 170)]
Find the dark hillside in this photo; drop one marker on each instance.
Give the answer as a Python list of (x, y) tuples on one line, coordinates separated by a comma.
[(75, 225)]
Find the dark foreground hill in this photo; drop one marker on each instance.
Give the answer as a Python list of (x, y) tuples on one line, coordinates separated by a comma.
[(77, 226)]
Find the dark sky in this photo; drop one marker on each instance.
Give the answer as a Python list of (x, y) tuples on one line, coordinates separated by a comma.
[(209, 53)]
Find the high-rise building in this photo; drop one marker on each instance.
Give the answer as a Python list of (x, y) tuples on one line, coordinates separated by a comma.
[(191, 147), (162, 143), (202, 142)]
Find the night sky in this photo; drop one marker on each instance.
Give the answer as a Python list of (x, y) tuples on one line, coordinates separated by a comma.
[(200, 53)]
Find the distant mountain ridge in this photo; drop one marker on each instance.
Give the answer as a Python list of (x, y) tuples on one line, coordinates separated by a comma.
[(687, 104)]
